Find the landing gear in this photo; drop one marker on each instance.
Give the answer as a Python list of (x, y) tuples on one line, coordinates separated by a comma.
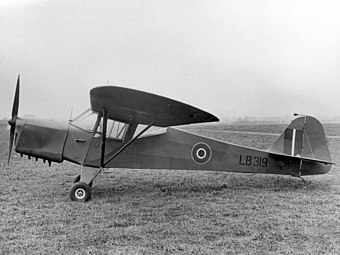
[(80, 191), (82, 183), (77, 179), (304, 181)]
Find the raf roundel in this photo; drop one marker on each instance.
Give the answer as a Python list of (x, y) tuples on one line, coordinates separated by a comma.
[(201, 153)]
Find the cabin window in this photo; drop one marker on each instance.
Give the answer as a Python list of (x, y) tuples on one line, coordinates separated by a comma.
[(86, 120), (114, 130)]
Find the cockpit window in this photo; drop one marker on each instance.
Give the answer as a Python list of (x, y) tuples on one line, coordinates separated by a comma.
[(114, 130), (86, 120)]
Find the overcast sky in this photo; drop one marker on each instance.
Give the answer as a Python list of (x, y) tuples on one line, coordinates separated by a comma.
[(231, 58)]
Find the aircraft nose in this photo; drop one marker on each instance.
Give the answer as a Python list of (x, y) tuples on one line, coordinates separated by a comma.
[(19, 124)]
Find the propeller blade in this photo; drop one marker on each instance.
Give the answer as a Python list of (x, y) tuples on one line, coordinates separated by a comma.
[(16, 99), (11, 138), (12, 121)]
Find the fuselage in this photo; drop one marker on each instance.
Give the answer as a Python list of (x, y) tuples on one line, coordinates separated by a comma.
[(172, 148)]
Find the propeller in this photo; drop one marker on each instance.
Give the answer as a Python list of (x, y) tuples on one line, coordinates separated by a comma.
[(12, 121)]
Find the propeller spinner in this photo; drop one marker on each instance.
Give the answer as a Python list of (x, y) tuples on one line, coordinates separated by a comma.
[(12, 121)]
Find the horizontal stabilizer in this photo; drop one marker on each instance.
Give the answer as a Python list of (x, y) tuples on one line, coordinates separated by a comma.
[(303, 158)]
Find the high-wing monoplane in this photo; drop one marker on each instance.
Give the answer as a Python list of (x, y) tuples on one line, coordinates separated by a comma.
[(116, 132)]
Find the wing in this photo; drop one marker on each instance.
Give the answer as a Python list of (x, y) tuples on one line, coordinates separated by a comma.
[(129, 105)]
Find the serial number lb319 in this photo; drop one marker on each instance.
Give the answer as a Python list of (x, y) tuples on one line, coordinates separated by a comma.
[(247, 160)]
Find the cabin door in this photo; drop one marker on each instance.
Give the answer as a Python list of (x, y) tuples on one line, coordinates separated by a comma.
[(116, 134)]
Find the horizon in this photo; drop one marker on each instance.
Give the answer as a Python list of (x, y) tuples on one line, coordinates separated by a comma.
[(286, 119)]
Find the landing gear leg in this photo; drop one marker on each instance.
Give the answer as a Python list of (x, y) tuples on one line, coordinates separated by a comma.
[(81, 189), (77, 179)]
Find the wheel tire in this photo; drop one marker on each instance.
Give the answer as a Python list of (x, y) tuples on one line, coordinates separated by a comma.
[(80, 191), (77, 179)]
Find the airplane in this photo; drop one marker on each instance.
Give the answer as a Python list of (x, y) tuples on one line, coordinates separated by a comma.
[(127, 128)]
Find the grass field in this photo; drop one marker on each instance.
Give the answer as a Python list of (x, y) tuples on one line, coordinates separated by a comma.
[(171, 212)]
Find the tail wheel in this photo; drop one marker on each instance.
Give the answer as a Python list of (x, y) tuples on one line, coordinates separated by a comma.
[(80, 191), (77, 179)]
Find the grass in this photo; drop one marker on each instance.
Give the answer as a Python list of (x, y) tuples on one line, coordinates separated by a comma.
[(169, 212)]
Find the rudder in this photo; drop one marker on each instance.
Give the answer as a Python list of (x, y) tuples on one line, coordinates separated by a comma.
[(304, 137)]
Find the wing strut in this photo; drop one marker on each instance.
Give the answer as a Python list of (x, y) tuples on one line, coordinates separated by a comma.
[(102, 153), (131, 141)]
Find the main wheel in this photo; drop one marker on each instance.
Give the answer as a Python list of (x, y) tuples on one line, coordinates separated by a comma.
[(80, 191), (77, 179)]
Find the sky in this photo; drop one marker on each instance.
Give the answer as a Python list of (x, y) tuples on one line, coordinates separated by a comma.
[(231, 58)]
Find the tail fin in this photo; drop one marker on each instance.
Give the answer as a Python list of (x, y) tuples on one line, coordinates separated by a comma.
[(303, 138)]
